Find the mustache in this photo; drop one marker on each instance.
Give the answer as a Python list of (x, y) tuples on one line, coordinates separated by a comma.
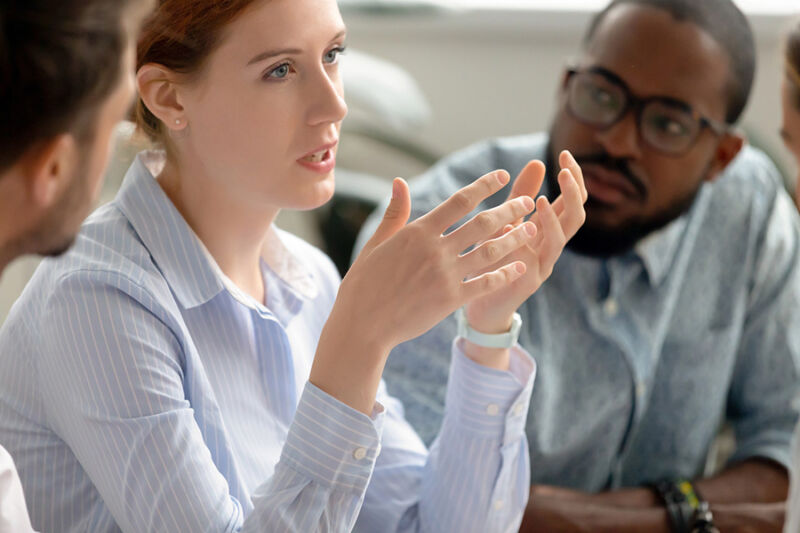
[(620, 166)]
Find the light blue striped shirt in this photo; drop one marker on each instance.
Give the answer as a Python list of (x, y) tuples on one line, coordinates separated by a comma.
[(140, 392)]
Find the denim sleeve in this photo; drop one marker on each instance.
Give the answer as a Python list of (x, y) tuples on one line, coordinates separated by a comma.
[(766, 378)]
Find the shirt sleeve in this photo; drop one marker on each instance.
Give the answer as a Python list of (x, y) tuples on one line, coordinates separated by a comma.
[(766, 377), (476, 476), (113, 382), (792, 524), (13, 513)]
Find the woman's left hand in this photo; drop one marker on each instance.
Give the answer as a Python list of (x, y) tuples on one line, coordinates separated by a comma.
[(556, 223)]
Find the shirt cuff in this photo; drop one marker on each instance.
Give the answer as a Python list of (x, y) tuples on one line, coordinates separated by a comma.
[(777, 451), (487, 402), (331, 442)]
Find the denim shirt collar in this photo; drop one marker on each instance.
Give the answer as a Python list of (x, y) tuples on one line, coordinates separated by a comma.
[(658, 250)]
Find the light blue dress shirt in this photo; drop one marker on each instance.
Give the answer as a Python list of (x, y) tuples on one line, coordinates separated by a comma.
[(642, 356), (142, 392)]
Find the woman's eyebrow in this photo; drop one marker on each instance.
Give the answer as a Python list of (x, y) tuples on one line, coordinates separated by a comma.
[(285, 51)]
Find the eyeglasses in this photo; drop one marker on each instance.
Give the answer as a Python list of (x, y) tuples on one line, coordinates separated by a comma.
[(598, 98)]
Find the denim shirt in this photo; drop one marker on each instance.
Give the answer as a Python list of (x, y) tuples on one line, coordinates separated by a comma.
[(644, 355)]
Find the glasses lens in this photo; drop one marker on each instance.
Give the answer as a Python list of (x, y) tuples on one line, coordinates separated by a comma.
[(668, 128), (595, 100)]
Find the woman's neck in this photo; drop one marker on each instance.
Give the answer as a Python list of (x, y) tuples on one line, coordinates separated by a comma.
[(234, 233)]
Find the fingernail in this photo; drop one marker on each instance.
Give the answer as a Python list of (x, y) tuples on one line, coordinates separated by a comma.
[(502, 177), (395, 188), (528, 203), (520, 268), (530, 229)]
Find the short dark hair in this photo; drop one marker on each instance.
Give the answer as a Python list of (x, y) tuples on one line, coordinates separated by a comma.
[(793, 62), (58, 60), (725, 23)]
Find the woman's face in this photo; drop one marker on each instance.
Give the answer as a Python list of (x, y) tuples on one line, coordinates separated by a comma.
[(264, 115), (790, 130)]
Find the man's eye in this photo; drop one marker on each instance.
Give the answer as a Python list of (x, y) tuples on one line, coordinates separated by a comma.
[(669, 126), (603, 97)]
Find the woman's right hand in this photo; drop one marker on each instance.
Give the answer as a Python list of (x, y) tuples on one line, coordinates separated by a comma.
[(409, 277)]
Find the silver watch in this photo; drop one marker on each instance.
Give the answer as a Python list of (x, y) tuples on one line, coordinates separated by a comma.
[(487, 340)]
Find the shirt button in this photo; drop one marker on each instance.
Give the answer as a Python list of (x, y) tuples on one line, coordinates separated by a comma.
[(360, 453), (611, 307), (498, 504), (641, 389), (492, 409), (518, 409)]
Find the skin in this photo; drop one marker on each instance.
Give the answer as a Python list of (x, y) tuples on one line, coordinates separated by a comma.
[(49, 190), (790, 128), (237, 131), (746, 496)]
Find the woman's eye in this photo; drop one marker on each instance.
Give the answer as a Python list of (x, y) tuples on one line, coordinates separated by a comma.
[(333, 55), (279, 72)]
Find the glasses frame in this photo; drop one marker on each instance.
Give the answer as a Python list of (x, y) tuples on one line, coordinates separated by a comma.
[(638, 104)]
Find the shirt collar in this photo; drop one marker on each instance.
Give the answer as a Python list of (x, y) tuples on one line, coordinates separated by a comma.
[(658, 250), (188, 267)]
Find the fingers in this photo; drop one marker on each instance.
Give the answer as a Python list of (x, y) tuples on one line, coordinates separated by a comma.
[(488, 224), (573, 215), (492, 281), (492, 251), (529, 181), (395, 216), (465, 200), (567, 160), (552, 238)]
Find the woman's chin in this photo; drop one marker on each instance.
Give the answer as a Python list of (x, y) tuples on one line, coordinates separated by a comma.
[(319, 195)]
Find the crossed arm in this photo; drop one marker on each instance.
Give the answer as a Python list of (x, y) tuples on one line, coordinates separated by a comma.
[(748, 496)]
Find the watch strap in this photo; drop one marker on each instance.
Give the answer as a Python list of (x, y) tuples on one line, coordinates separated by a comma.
[(489, 340)]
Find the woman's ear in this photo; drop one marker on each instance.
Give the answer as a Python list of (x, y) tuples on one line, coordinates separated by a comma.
[(158, 89), (729, 147)]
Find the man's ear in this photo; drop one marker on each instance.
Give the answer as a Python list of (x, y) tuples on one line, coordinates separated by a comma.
[(728, 148), (47, 169), (159, 92)]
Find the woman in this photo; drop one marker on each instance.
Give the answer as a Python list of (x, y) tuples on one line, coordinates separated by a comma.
[(190, 367), (790, 131), (790, 99)]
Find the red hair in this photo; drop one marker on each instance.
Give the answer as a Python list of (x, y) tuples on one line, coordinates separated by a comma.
[(181, 35)]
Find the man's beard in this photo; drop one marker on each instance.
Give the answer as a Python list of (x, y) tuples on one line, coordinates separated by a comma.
[(597, 241)]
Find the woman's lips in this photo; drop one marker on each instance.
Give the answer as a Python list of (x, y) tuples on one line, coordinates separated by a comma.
[(321, 161)]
